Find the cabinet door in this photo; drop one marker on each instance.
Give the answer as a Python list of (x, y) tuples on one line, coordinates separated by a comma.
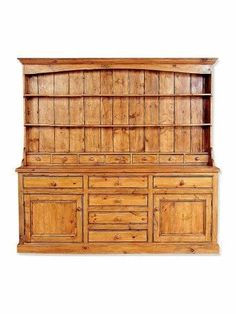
[(182, 218), (53, 218)]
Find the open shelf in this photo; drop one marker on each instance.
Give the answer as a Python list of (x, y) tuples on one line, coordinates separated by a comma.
[(117, 125), (118, 95)]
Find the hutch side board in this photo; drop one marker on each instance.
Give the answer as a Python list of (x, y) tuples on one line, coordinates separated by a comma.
[(117, 157)]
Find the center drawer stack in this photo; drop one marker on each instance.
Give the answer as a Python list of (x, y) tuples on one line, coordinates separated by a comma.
[(117, 208)]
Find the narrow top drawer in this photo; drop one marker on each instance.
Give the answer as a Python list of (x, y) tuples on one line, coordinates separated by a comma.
[(182, 182), (118, 182), (53, 182)]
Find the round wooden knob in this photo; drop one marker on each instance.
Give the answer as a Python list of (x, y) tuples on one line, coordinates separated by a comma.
[(117, 236), (91, 158), (64, 159), (53, 184), (38, 158), (197, 158), (181, 183)]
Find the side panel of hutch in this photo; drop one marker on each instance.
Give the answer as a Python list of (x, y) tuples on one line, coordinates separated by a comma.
[(118, 157)]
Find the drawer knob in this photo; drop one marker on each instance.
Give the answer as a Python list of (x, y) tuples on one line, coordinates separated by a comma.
[(169, 159), (197, 158), (117, 237), (53, 184), (181, 183), (64, 159), (38, 158), (91, 158)]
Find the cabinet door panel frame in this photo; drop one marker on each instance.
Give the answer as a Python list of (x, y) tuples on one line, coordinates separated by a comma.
[(184, 237), (74, 200)]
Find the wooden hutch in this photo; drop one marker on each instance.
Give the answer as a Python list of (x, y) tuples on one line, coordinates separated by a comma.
[(117, 157)]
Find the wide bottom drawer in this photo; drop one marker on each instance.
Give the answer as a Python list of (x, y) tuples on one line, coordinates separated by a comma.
[(118, 236)]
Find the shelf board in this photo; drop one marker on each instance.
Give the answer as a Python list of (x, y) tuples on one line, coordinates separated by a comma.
[(116, 125), (118, 95)]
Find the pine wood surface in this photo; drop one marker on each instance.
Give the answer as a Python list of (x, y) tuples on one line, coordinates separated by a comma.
[(118, 157)]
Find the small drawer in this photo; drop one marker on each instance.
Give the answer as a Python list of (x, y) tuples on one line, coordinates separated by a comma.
[(144, 159), (182, 182), (118, 159), (118, 236), (38, 159), (115, 182), (64, 159), (53, 182), (196, 158), (91, 159), (112, 199), (118, 218), (168, 159)]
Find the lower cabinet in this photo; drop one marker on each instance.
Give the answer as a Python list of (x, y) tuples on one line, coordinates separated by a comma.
[(182, 218), (118, 213), (53, 218)]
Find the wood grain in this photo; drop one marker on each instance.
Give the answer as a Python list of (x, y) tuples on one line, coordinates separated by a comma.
[(92, 110), (46, 113), (120, 111), (151, 111), (76, 112), (182, 113)]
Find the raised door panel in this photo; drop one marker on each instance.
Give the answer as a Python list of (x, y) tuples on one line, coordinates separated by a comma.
[(53, 218), (182, 218)]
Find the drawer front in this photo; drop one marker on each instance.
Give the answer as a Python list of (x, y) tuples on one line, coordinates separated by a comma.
[(64, 159), (144, 159), (196, 158), (38, 159), (121, 182), (53, 182), (118, 236), (168, 159), (91, 159), (182, 182), (117, 218), (118, 159), (103, 199)]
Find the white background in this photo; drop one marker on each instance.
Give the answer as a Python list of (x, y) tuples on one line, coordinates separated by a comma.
[(117, 284)]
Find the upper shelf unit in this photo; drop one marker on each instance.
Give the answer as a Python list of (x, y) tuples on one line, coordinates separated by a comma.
[(70, 108)]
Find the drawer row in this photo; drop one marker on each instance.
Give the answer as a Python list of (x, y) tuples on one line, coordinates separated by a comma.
[(118, 182), (117, 159)]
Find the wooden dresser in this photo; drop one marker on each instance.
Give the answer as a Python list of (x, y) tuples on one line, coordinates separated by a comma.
[(117, 157)]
